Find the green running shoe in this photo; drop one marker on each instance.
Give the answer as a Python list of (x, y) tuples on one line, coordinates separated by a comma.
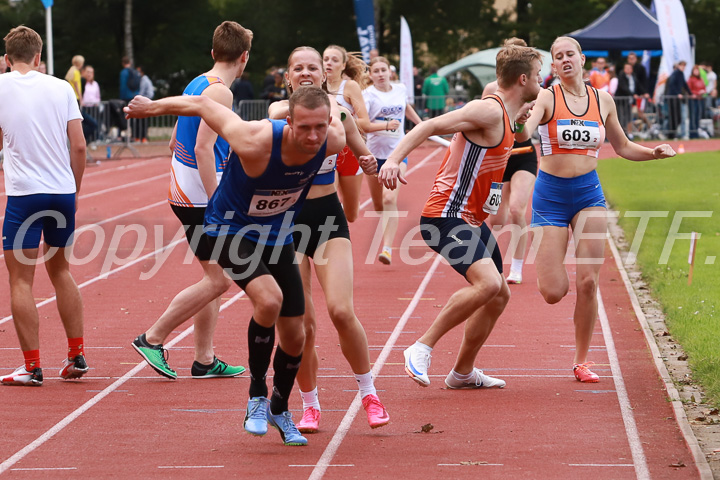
[(155, 355), (217, 369)]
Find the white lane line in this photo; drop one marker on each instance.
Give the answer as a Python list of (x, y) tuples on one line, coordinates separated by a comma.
[(105, 275), (636, 448), (407, 174), (700, 460), (355, 406), (334, 465), (112, 219), (41, 469), (121, 167), (4, 466), (125, 185), (117, 187), (191, 466)]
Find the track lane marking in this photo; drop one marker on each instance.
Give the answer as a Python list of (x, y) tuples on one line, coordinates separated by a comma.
[(55, 429), (636, 448), (344, 427)]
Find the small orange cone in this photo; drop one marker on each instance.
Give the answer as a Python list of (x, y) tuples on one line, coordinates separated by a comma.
[(681, 148)]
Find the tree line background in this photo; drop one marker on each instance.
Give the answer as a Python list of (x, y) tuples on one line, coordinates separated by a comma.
[(172, 39)]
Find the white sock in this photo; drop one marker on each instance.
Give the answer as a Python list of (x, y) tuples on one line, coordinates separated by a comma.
[(460, 376), (310, 399), (387, 248), (517, 265), (423, 347), (365, 382)]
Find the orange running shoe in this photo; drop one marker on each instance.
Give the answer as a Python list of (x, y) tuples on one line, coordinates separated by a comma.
[(583, 373)]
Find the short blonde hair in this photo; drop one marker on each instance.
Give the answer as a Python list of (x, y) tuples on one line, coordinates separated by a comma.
[(78, 61), (513, 61)]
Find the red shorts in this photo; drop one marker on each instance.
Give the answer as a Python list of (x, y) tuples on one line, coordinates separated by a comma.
[(347, 164)]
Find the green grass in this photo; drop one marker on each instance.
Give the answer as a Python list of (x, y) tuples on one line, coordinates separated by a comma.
[(689, 183)]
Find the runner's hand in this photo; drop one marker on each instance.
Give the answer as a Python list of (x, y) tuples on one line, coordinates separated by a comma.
[(663, 151), (524, 112), (389, 174), (138, 107), (368, 164)]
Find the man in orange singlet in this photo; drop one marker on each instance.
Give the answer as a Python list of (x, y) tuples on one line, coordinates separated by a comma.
[(467, 189)]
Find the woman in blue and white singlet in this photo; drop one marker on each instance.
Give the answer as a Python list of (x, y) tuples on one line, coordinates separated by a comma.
[(387, 106)]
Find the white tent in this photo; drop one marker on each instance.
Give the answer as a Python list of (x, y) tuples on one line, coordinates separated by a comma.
[(482, 65)]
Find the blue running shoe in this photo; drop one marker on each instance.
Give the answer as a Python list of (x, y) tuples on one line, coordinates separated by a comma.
[(288, 431), (256, 418)]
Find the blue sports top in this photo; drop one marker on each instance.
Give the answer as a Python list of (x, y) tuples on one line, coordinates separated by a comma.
[(326, 174), (263, 209), (187, 128)]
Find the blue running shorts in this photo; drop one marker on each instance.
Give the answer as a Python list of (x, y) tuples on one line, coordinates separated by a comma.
[(557, 200), (28, 217)]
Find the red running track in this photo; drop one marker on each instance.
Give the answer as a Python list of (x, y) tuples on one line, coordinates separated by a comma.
[(123, 420)]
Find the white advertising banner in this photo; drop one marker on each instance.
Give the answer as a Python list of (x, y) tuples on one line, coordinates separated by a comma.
[(674, 35), (406, 60)]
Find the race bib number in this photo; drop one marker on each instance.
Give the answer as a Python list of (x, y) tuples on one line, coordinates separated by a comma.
[(389, 133), (265, 203), (492, 203), (328, 165), (578, 134)]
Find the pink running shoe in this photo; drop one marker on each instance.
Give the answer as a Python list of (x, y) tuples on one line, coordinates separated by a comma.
[(376, 413), (583, 373), (310, 422)]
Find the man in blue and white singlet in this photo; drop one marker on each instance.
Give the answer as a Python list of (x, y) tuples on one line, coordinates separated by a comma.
[(198, 161), (250, 219)]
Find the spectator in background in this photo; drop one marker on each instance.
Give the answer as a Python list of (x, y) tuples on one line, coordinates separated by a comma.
[(277, 90), (42, 68), (91, 92), (629, 98), (710, 87), (678, 89), (599, 76), (418, 82), (90, 103), (147, 90), (697, 102), (129, 81), (270, 77), (242, 89), (639, 71), (74, 77), (3, 65), (435, 88)]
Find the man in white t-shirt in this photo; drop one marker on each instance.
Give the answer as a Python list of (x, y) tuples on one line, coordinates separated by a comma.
[(40, 115)]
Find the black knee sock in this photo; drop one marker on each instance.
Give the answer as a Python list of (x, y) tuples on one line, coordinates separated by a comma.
[(286, 368), (261, 341)]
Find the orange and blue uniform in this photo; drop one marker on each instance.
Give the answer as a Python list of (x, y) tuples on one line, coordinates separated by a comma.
[(467, 188), (556, 200)]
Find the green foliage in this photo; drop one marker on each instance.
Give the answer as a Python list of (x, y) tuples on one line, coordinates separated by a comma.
[(684, 184)]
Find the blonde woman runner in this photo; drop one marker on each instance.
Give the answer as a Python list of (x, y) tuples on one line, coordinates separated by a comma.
[(330, 252), (573, 120)]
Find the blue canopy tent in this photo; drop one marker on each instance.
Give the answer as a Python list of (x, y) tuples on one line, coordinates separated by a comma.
[(627, 25)]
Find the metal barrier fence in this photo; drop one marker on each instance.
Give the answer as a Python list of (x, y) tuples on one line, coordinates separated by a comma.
[(669, 117)]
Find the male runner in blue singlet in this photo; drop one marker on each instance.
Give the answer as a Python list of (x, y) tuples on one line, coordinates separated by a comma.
[(250, 219)]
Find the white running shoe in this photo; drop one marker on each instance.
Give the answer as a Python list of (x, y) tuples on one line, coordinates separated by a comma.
[(21, 376), (417, 362), (477, 380), (514, 278)]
